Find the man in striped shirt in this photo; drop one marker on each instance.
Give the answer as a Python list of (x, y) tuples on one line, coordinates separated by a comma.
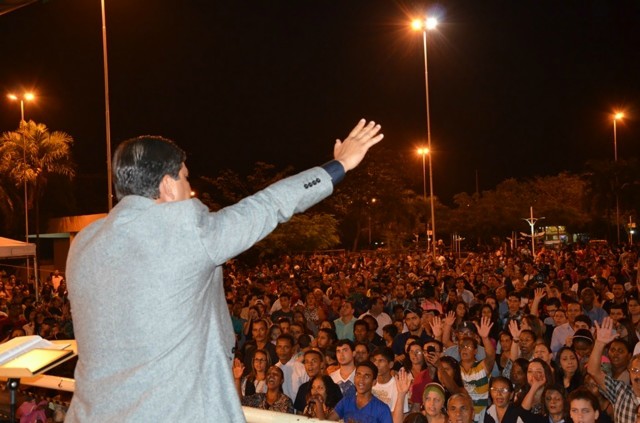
[(475, 373)]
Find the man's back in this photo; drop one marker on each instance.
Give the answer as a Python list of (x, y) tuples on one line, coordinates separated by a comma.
[(148, 313)]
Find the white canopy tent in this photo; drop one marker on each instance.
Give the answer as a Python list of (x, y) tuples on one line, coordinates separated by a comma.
[(13, 249)]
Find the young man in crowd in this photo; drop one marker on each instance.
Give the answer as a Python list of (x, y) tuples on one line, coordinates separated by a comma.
[(344, 376), (364, 406), (313, 362), (344, 324), (385, 388), (294, 371)]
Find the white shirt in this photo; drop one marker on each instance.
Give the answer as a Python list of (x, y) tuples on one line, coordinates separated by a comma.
[(294, 376)]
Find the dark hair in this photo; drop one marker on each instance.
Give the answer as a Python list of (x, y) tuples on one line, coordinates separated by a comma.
[(558, 389), (501, 379), (304, 340), (360, 322), (316, 352), (343, 342), (584, 394), (415, 417), (252, 374), (331, 333), (455, 365), (139, 164), (286, 337), (334, 394), (369, 318), (578, 376), (369, 365), (548, 374), (391, 329), (385, 352)]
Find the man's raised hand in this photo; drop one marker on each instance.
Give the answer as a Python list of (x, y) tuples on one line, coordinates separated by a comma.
[(352, 150)]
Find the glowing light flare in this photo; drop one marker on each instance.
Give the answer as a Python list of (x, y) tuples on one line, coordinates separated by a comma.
[(423, 151), (618, 116), (25, 97), (421, 25)]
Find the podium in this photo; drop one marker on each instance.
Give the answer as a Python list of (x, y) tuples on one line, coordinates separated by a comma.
[(31, 361)]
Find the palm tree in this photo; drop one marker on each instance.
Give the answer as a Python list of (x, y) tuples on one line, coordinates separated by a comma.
[(33, 154)]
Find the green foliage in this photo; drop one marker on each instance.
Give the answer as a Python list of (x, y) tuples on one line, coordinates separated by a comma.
[(33, 154), (304, 232)]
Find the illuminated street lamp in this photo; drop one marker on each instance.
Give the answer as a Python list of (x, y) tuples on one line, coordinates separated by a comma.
[(427, 25), (25, 97), (617, 116)]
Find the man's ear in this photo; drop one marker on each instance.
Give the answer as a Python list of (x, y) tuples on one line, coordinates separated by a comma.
[(166, 189)]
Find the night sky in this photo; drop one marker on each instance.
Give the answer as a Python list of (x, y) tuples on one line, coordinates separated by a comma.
[(517, 88)]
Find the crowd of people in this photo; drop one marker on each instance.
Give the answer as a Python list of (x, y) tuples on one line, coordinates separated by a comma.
[(487, 337), (393, 337)]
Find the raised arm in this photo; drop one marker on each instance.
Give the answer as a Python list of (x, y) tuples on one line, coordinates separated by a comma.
[(514, 353), (604, 335), (403, 384), (538, 295), (446, 329), (489, 349)]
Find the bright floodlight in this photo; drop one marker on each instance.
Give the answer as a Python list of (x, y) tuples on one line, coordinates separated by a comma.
[(423, 151), (618, 116), (29, 96), (431, 23), (416, 24), (12, 96)]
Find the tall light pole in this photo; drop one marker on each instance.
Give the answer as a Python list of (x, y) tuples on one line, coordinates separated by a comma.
[(617, 116), (25, 97), (105, 64), (424, 26)]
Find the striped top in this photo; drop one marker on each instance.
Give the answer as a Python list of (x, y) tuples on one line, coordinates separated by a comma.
[(476, 382)]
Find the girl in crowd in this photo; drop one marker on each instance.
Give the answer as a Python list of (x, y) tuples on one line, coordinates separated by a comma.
[(274, 399), (554, 405), (539, 377), (518, 378), (489, 312), (533, 324), (569, 371), (255, 381), (449, 376), (322, 398), (505, 346), (502, 410)]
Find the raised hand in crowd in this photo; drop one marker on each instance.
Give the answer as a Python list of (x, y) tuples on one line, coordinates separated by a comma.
[(436, 327), (605, 333), (485, 327)]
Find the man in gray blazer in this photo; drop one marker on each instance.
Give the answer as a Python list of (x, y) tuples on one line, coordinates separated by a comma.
[(155, 340)]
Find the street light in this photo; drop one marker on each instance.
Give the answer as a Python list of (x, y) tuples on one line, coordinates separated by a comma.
[(427, 25), (617, 116), (25, 97)]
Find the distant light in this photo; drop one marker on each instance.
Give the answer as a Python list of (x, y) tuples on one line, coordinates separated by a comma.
[(193, 194), (428, 24), (12, 96), (29, 96), (431, 23), (423, 151), (618, 116)]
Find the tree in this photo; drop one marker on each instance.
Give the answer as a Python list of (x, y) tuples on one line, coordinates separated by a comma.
[(33, 154)]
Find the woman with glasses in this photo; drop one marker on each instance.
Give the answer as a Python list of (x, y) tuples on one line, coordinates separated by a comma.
[(415, 363), (503, 409), (256, 381)]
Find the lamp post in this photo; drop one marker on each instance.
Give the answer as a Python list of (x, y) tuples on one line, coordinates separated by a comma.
[(25, 97), (617, 116), (424, 26)]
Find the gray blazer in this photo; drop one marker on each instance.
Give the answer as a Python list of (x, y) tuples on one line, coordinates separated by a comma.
[(153, 329)]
